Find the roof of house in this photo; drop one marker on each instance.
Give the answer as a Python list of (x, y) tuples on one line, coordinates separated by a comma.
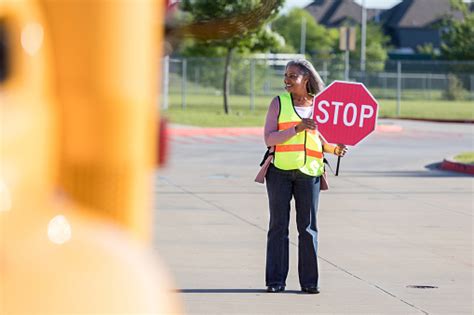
[(334, 12), (417, 13)]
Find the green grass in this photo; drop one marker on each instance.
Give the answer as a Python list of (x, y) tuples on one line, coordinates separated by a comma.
[(465, 157), (207, 110), (428, 109), (407, 94)]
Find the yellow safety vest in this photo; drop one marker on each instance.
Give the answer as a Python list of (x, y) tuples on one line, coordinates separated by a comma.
[(304, 151)]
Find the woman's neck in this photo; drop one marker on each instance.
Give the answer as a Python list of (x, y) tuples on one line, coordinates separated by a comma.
[(302, 99)]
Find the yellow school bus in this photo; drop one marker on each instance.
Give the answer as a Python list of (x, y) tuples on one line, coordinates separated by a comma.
[(78, 132)]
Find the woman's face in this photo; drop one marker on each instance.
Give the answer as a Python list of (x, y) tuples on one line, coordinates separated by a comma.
[(295, 81)]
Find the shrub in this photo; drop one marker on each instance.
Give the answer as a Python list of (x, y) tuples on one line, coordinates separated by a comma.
[(454, 89)]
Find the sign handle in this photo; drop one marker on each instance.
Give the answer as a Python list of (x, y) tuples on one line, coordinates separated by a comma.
[(337, 166)]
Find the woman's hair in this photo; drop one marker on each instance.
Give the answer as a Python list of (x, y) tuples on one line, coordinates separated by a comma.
[(315, 83)]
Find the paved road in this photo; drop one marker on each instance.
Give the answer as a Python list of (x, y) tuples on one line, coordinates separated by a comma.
[(390, 221)]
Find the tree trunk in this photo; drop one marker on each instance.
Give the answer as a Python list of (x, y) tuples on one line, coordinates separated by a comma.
[(227, 70)]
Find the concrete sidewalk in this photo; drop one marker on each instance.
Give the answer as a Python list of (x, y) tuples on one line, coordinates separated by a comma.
[(389, 226)]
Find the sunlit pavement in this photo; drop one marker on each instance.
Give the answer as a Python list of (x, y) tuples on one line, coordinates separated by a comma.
[(395, 232)]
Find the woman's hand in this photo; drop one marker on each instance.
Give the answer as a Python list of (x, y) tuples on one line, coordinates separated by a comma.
[(340, 149), (306, 123)]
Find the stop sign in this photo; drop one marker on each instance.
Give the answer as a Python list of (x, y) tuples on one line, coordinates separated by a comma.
[(345, 112)]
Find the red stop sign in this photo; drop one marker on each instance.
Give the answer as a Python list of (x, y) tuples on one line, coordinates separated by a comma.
[(345, 112)]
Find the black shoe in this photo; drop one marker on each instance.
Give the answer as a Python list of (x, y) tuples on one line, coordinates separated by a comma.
[(310, 290), (275, 288)]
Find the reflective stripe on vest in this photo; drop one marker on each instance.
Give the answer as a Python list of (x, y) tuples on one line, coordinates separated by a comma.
[(298, 147), (302, 151)]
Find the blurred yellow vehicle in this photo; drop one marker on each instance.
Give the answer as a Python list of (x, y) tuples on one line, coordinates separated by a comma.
[(78, 126)]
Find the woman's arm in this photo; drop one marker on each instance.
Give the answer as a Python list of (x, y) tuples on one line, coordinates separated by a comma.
[(272, 135), (338, 149)]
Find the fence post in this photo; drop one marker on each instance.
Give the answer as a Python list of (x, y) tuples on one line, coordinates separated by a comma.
[(424, 83), (430, 79), (184, 64), (325, 71), (399, 87), (346, 68), (252, 84), (166, 82), (472, 87), (384, 82)]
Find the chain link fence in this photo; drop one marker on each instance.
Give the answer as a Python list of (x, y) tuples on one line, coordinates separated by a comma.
[(184, 79)]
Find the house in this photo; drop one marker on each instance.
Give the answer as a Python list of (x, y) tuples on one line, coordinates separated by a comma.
[(335, 13), (414, 23), (410, 24)]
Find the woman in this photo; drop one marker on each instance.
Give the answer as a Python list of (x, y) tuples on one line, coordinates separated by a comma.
[(294, 171)]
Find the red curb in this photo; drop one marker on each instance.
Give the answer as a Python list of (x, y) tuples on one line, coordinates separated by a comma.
[(450, 165), (462, 121), (216, 131), (388, 128), (242, 131)]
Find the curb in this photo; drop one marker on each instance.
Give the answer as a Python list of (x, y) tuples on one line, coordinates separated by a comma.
[(388, 128), (461, 121), (451, 165), (234, 131), (245, 131)]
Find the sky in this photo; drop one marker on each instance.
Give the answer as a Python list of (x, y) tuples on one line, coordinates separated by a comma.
[(379, 4)]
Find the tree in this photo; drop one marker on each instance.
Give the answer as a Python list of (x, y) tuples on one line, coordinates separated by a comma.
[(319, 40), (458, 35), (322, 41), (225, 27), (427, 49)]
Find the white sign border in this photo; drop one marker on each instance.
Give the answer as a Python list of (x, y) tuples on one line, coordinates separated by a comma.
[(367, 90)]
